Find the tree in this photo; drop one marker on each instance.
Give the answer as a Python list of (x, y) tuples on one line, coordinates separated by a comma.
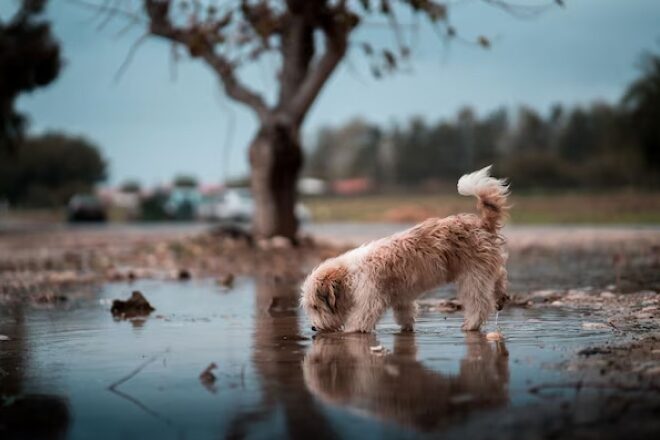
[(641, 102), (47, 170), (309, 38), (29, 59)]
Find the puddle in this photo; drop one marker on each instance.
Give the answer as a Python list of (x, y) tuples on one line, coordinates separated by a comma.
[(273, 379)]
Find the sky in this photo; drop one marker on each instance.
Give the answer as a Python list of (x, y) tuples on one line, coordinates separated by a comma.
[(151, 124)]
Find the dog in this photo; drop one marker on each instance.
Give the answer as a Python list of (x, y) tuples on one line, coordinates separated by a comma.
[(352, 291)]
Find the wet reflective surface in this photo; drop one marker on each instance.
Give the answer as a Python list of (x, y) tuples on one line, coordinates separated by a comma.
[(71, 371)]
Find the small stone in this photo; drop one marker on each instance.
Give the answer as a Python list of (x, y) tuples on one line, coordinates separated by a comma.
[(607, 294), (494, 336), (376, 348), (5, 338), (184, 274), (557, 303)]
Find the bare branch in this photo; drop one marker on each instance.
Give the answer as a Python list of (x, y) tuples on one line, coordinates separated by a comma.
[(338, 24), (195, 39), (129, 56)]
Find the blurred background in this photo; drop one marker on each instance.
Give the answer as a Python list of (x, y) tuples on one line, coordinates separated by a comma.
[(106, 118)]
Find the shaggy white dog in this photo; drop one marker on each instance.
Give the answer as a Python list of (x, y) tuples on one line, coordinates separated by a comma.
[(352, 291)]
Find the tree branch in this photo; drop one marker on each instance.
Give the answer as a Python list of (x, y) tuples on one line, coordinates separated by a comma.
[(336, 29), (198, 44)]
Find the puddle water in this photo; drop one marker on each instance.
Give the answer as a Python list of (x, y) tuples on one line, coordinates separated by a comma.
[(273, 379)]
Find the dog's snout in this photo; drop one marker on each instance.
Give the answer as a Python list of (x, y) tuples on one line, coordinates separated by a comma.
[(313, 328)]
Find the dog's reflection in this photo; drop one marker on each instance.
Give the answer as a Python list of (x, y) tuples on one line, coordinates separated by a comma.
[(342, 370)]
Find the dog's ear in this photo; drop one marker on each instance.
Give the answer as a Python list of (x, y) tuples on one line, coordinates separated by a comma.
[(326, 292), (330, 287)]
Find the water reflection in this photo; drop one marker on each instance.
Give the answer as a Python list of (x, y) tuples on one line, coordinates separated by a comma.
[(342, 370), (74, 372), (25, 415), (278, 352)]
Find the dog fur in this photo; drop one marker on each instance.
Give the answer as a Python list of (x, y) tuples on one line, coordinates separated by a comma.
[(352, 291)]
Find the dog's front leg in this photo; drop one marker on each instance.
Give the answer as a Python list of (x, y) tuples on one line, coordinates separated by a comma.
[(366, 312), (404, 315)]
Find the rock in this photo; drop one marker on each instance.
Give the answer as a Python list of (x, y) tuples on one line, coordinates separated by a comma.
[(376, 349), (557, 303), (184, 275), (226, 280), (607, 294), (5, 338), (136, 305), (495, 336), (595, 326)]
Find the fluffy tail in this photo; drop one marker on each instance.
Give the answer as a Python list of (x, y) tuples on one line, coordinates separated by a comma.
[(492, 194)]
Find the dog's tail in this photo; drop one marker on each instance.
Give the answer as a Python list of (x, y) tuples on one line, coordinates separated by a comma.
[(492, 194)]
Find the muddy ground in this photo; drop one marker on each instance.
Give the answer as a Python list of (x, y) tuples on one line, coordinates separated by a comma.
[(609, 276)]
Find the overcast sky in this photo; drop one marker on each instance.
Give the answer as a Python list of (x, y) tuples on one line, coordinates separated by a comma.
[(151, 126)]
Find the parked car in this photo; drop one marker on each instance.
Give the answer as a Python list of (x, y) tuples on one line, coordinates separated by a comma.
[(237, 205), (86, 208)]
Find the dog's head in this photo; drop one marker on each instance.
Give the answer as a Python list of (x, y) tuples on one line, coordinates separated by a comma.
[(325, 296)]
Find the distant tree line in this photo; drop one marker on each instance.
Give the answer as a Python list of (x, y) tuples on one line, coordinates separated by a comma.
[(47, 170), (597, 146)]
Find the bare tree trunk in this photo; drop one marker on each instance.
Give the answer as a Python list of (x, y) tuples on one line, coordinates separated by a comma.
[(276, 160)]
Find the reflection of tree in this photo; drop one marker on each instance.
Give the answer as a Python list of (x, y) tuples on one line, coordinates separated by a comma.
[(25, 415), (342, 370), (277, 357)]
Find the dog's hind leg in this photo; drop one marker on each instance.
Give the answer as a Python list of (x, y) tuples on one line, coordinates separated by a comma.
[(475, 291), (404, 315), (500, 290)]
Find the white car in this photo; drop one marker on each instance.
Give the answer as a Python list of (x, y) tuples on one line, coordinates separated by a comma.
[(237, 204)]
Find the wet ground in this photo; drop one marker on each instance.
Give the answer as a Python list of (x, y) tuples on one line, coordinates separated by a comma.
[(106, 378), (580, 359)]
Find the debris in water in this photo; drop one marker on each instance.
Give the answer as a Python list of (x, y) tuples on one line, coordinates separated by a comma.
[(184, 274), (207, 378), (4, 338), (590, 351), (226, 280), (495, 336), (136, 305), (376, 348)]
